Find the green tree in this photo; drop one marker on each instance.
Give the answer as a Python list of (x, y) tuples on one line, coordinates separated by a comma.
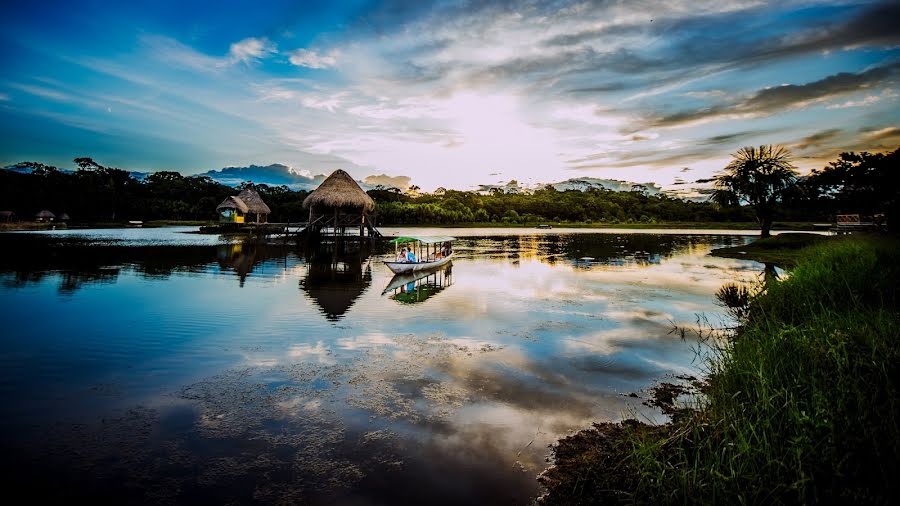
[(757, 177)]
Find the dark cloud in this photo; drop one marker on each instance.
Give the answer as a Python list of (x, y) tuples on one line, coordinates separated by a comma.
[(599, 88), (732, 138), (874, 26), (816, 139), (884, 134), (779, 98), (649, 159)]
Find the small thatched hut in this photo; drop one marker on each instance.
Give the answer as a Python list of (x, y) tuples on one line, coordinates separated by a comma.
[(246, 207), (7, 216), (44, 215), (339, 202), (63, 217)]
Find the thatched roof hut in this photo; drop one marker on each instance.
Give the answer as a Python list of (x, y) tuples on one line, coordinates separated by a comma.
[(340, 203), (233, 203), (236, 209), (339, 190), (45, 215), (254, 202), (64, 217), (7, 216)]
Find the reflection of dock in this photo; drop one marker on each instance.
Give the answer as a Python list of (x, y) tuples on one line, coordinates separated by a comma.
[(412, 288)]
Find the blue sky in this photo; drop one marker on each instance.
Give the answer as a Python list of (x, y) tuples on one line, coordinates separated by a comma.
[(452, 94)]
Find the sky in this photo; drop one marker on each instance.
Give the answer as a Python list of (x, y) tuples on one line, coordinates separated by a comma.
[(447, 94)]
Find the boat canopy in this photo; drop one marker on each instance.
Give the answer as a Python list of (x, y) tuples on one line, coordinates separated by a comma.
[(429, 239)]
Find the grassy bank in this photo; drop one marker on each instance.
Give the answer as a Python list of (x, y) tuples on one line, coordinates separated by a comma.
[(801, 405), (783, 249)]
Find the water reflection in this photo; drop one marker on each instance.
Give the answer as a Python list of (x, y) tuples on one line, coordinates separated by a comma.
[(416, 287), (336, 275), (272, 372)]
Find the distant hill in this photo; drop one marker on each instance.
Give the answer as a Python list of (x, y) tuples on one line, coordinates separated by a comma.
[(275, 174), (579, 184)]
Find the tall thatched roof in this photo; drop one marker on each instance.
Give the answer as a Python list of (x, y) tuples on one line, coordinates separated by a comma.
[(45, 214), (254, 202), (233, 203), (64, 217), (248, 201), (339, 190)]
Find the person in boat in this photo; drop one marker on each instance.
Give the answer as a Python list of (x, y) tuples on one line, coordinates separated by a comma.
[(446, 249), (401, 257), (411, 257)]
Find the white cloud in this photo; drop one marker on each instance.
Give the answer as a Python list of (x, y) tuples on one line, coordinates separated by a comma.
[(250, 49), (306, 58), (867, 101)]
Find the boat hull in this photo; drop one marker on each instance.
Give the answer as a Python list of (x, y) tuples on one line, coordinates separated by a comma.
[(407, 267)]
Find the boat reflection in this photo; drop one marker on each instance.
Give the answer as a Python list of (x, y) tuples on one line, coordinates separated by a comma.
[(413, 288)]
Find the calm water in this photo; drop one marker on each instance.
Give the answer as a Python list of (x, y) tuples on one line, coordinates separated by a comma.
[(155, 366)]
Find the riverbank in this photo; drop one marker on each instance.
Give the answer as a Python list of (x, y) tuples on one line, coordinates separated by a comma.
[(802, 403), (783, 250)]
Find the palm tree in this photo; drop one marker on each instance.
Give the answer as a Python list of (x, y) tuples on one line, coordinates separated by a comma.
[(756, 177)]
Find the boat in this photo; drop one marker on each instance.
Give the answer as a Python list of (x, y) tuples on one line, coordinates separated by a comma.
[(544, 226), (429, 250), (415, 287)]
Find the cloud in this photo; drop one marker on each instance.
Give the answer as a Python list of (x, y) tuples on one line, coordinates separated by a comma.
[(866, 101), (788, 96), (732, 138), (399, 182), (816, 139), (251, 49), (311, 59)]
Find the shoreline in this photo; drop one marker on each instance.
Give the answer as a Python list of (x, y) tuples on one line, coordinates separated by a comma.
[(799, 404), (700, 225)]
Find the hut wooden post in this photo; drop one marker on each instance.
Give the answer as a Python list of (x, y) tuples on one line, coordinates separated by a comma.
[(335, 227)]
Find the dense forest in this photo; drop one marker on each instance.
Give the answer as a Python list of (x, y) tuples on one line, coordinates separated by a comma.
[(854, 183)]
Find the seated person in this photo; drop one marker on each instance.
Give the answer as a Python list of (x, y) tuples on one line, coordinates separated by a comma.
[(411, 257), (401, 257)]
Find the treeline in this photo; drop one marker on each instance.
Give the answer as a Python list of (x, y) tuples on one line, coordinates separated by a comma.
[(862, 183), (550, 205), (95, 193)]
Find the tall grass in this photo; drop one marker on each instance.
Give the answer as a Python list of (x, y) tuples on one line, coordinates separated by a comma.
[(802, 403)]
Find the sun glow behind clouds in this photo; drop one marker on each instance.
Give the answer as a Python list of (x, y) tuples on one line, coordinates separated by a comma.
[(452, 94)]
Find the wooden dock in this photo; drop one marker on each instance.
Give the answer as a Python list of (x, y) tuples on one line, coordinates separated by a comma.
[(322, 227)]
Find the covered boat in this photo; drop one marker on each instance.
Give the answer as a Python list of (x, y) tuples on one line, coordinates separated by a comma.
[(428, 252)]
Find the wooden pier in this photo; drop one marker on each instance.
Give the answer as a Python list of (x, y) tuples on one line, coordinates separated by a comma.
[(342, 226)]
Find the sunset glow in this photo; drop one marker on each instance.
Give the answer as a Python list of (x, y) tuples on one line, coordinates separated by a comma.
[(451, 94)]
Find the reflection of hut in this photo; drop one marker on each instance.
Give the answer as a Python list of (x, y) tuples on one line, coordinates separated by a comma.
[(339, 203), (63, 217), (44, 215), (7, 216), (335, 285), (246, 207)]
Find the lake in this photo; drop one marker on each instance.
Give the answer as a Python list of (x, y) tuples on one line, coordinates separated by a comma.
[(153, 365)]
